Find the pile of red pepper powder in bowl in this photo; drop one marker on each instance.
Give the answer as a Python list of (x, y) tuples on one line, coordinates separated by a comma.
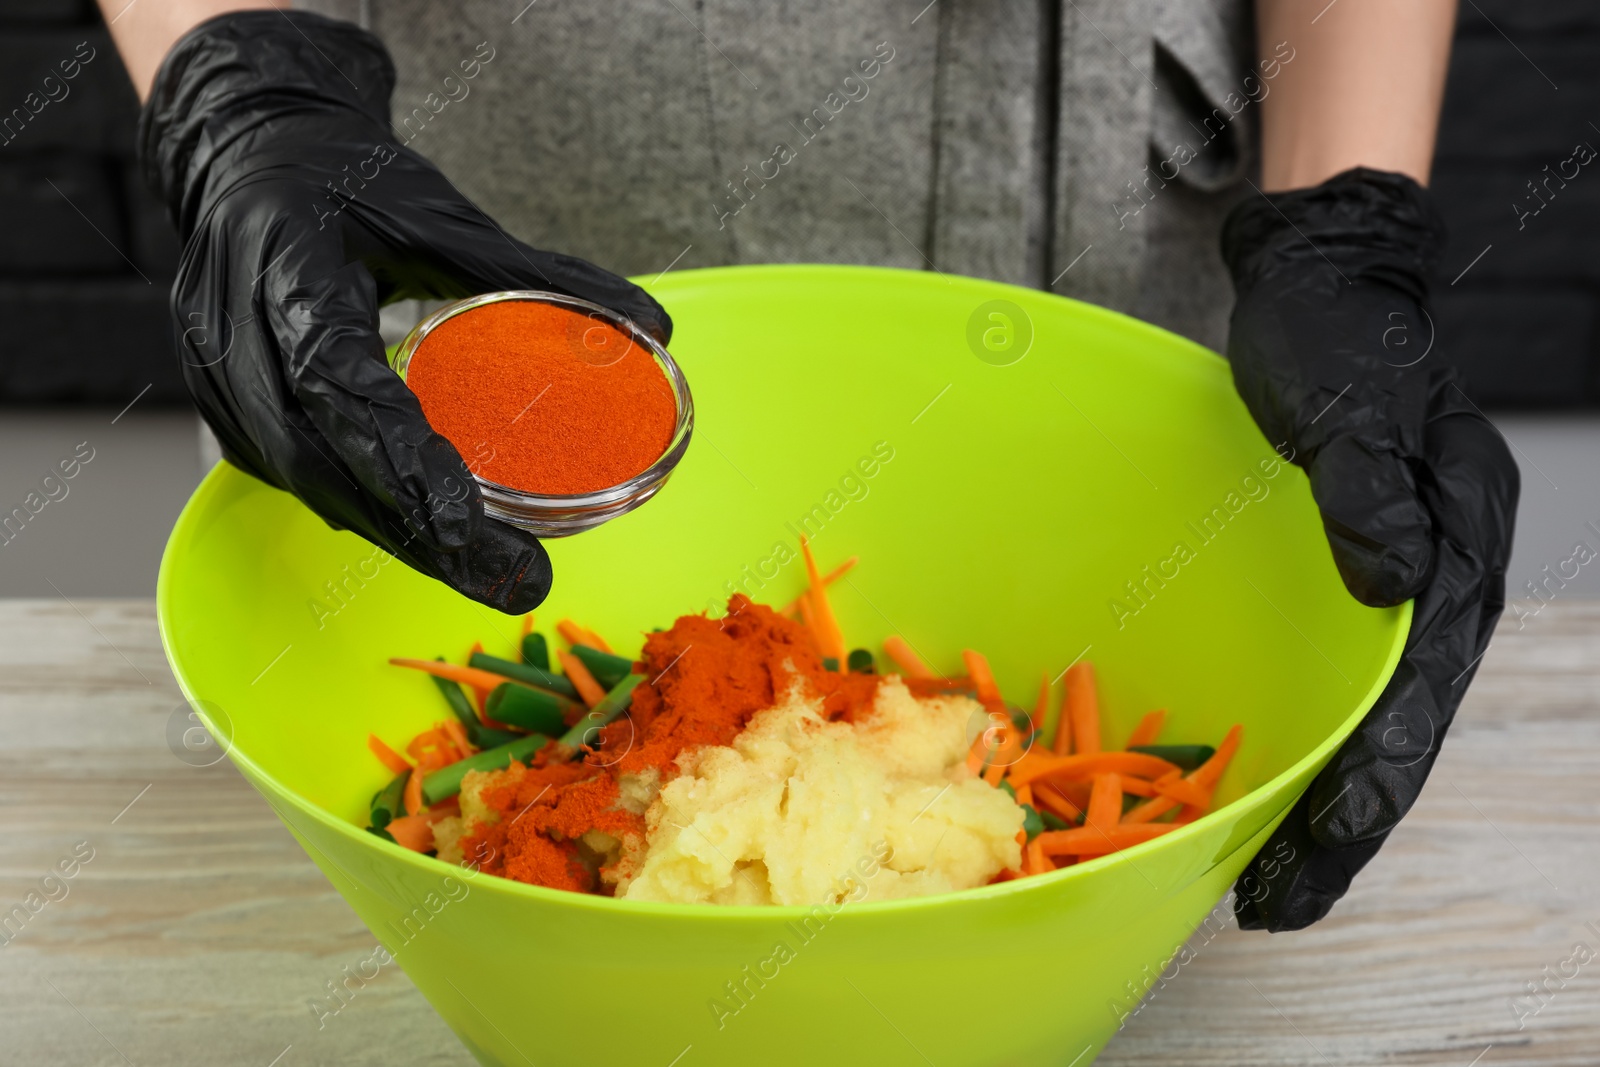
[(543, 399), (706, 679)]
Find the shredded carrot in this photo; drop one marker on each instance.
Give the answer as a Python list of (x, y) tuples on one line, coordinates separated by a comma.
[(1149, 729), (1210, 772), (1105, 802), (995, 771), (1041, 707), (469, 676), (825, 627), (1037, 764), (1005, 754), (998, 752), (1204, 777), (1148, 811), (1051, 797), (808, 615), (978, 752), (1094, 841), (1012, 749), (1138, 787), (413, 792), (1061, 744), (412, 831), (1034, 861), (527, 624), (906, 658), (433, 749), (574, 634), (1186, 791), (581, 679), (1076, 790), (982, 676), (1082, 706), (389, 757), (793, 606), (458, 737)]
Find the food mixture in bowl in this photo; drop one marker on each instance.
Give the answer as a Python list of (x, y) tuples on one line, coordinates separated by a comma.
[(782, 814), (748, 760)]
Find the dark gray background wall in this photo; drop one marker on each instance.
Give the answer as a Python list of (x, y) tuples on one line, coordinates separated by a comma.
[(1520, 321), (86, 253)]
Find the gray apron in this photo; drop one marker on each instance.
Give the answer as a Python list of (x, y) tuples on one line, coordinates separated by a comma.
[(1089, 147)]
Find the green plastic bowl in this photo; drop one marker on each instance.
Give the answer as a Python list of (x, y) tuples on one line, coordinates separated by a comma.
[(1103, 496)]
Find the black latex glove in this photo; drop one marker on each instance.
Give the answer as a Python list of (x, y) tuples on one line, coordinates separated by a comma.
[(1330, 351), (267, 134)]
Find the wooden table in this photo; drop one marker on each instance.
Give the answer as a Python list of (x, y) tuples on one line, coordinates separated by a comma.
[(198, 931)]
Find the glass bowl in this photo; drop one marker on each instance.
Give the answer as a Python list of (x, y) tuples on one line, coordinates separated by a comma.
[(560, 515)]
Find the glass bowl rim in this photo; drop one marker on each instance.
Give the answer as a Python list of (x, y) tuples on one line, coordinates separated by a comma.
[(683, 427)]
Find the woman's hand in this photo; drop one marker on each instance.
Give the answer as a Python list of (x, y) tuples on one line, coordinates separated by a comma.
[(268, 135), (1331, 346)]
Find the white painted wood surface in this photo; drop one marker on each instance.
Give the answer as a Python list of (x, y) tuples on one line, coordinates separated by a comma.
[(199, 932)]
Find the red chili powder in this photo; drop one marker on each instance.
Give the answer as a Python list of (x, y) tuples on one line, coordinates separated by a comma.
[(543, 399), (543, 810), (707, 678)]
